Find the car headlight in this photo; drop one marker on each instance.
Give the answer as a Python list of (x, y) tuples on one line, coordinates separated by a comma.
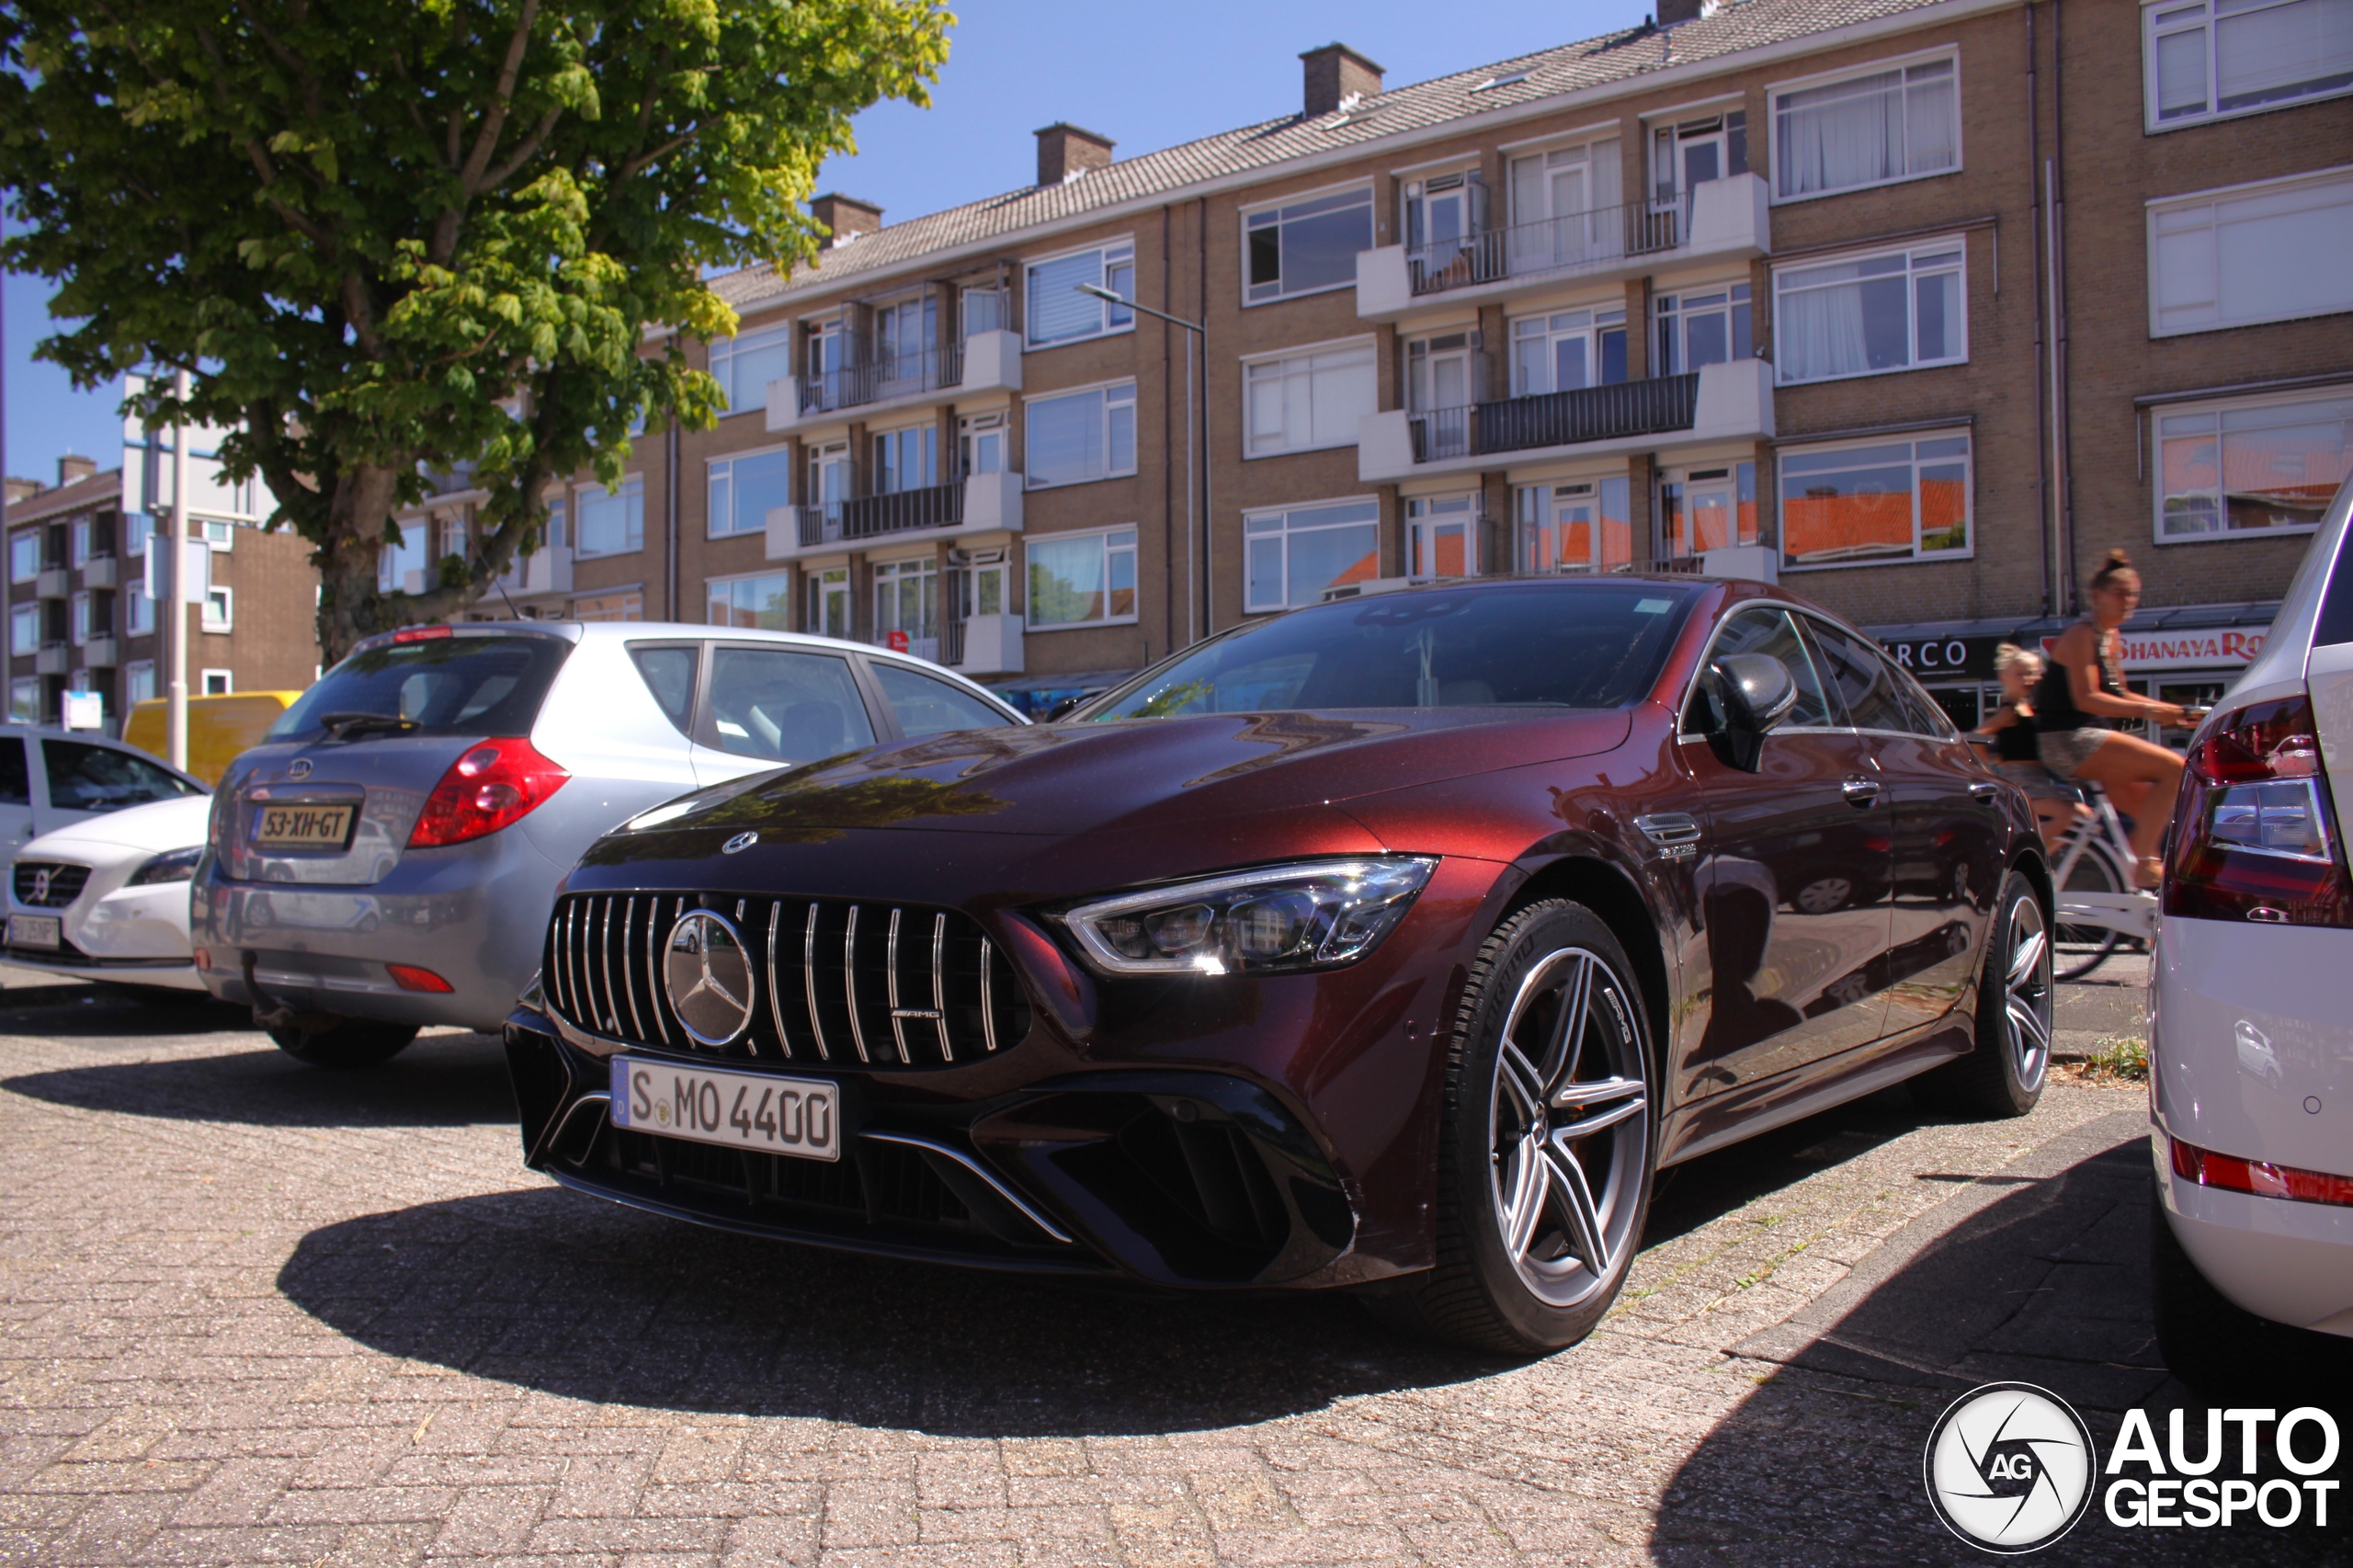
[(171, 865), (1308, 915)]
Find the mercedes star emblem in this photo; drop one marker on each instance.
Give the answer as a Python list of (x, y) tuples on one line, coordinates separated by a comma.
[(707, 974), (741, 842)]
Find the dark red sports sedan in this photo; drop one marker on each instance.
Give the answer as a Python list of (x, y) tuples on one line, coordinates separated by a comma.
[(1394, 944)]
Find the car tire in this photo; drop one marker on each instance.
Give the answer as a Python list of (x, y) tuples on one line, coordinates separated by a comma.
[(2227, 1353), (353, 1042), (1545, 1142), (2005, 1074)]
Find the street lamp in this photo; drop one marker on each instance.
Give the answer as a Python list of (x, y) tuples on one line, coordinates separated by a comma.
[(1197, 344)]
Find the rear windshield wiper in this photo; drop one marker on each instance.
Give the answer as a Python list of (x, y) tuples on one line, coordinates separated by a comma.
[(344, 726)]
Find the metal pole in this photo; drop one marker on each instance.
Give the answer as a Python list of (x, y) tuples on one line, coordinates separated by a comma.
[(1190, 450), (175, 567)]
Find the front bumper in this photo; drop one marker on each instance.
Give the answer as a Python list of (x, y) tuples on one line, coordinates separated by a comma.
[(137, 935)]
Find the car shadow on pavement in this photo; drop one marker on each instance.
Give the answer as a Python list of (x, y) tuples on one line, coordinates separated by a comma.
[(1701, 1191), (590, 1300), (447, 1080), (75, 1011)]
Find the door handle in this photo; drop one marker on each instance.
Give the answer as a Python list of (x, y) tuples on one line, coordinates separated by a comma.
[(1986, 790), (1859, 791)]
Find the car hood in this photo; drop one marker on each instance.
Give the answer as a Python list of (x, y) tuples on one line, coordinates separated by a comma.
[(1061, 779), (149, 829)]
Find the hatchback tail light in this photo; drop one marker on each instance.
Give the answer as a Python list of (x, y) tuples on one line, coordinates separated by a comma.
[(493, 784), (2255, 833)]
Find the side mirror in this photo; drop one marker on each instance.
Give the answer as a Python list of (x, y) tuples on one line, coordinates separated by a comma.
[(1752, 692)]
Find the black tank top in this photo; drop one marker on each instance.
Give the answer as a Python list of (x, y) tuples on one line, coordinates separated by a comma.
[(2054, 697), (2013, 742)]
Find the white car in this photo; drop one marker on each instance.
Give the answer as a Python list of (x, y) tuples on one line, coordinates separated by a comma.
[(2251, 1011), (105, 898)]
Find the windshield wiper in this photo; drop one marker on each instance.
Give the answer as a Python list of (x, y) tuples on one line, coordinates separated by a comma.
[(344, 726)]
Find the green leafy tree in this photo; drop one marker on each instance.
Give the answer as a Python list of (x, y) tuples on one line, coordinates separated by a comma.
[(394, 238)]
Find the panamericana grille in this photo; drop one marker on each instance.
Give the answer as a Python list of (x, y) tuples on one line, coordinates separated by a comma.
[(48, 885), (837, 981)]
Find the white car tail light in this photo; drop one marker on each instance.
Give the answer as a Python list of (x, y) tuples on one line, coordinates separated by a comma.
[(2254, 830)]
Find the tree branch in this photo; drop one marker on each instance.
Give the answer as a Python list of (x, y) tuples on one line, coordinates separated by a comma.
[(495, 123), (523, 154)]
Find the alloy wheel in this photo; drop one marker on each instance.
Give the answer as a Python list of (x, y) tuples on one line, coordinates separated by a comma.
[(1569, 1127), (2027, 993)]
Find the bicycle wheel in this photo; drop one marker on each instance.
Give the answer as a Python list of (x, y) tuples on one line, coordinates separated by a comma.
[(2077, 950)]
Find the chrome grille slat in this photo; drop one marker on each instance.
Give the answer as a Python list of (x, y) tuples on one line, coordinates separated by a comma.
[(776, 997), (655, 936), (849, 984), (891, 986), (988, 998), (605, 968), (809, 986), (940, 985), (628, 975)]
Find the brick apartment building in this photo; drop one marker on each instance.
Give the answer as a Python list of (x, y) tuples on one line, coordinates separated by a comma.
[(1918, 305)]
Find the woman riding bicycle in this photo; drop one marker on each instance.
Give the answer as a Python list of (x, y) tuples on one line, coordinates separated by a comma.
[(2083, 691), (2011, 736)]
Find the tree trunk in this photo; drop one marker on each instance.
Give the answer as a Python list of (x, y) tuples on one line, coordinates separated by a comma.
[(347, 559)]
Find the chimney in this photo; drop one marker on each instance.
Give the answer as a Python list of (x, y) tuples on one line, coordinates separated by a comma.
[(22, 490), (847, 216), (1336, 73), (1064, 152), (1673, 11), (71, 468)]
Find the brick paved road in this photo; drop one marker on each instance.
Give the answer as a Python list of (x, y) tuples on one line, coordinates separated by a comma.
[(255, 1312)]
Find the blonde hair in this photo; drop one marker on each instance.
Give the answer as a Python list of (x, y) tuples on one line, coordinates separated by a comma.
[(2009, 656)]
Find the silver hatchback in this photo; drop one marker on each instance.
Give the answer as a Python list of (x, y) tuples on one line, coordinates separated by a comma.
[(388, 856)]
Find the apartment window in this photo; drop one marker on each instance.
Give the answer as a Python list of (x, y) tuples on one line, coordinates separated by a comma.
[(2206, 60), (1442, 536), (2271, 252), (1685, 156), (1059, 313), (220, 610), (1077, 436), (1587, 526), (24, 556), (1306, 400), (906, 459), (138, 528), (1565, 208), (1292, 556), (1875, 502), (138, 611), (1706, 327), (829, 603), (24, 628), (85, 533), (1306, 246), (1708, 509), (218, 683), (1861, 315), (1870, 130), (980, 444), (906, 600), (218, 533), (80, 618), (745, 365), (138, 682), (983, 310), (2251, 465), (744, 489), (1564, 350), (905, 335), (764, 603), (612, 522), (24, 700), (1083, 579), (1442, 213), (554, 530), (609, 606)]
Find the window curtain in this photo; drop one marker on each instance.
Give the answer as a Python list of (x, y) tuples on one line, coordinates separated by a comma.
[(1822, 334), (1057, 310), (1840, 136), (2280, 51)]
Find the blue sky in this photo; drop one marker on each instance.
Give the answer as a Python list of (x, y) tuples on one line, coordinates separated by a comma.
[(1146, 76)]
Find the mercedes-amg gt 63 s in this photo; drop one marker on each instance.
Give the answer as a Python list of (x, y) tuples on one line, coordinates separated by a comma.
[(1394, 944)]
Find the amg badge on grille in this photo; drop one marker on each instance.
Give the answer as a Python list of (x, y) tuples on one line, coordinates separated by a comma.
[(707, 974)]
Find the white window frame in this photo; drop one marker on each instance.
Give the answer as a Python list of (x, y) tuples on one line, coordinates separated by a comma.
[(1774, 90), (228, 683), (927, 430), (1911, 253), (713, 585), (2150, 11), (1109, 252), (19, 617), (80, 607), (1261, 512), (83, 543), (2217, 407), (133, 673), (723, 354), (633, 482), (2172, 207), (1304, 356), (1104, 537), (138, 616), (1909, 438), (226, 599), (1464, 511), (1033, 482), (720, 473), (1371, 229), (24, 539), (24, 700)]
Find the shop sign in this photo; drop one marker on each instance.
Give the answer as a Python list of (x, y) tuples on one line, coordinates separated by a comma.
[(2229, 647), (1944, 658)]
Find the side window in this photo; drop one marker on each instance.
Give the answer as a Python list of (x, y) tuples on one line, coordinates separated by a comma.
[(786, 706), (100, 779), (16, 784), (924, 705), (1864, 681), (670, 675), (1925, 717), (1766, 631)]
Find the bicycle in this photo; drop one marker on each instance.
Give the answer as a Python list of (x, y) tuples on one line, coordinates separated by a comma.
[(2099, 906)]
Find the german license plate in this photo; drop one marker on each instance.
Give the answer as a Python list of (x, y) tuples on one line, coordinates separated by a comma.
[(800, 1116), (303, 827), (35, 931)]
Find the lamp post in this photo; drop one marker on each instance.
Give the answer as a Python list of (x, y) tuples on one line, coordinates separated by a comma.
[(176, 555), (1195, 456)]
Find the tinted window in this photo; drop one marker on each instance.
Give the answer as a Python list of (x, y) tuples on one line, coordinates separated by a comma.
[(670, 675), (2334, 622), (14, 786), (785, 706), (447, 686), (926, 706), (99, 779), (1540, 645), (1771, 631), (1866, 685), (1922, 716)]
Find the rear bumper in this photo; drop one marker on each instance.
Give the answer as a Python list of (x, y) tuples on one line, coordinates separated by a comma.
[(168, 975)]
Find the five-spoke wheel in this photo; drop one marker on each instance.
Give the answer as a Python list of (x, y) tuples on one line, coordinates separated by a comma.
[(2004, 1075)]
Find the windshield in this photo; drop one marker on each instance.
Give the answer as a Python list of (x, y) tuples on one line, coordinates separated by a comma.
[(442, 685), (1530, 645)]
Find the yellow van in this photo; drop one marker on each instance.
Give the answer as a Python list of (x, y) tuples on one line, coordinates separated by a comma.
[(218, 728)]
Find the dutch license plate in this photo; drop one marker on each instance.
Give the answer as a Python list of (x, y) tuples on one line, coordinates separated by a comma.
[(800, 1116), (35, 931), (303, 827)]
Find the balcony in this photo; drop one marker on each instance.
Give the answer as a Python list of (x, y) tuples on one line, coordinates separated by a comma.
[(981, 502), (52, 659), (101, 654), (983, 645), (100, 571), (54, 583), (1723, 219), (870, 382), (547, 570), (1720, 403)]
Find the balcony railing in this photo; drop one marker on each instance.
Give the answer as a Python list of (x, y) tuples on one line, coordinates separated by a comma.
[(1600, 237), (952, 644), (869, 517), (868, 375), (1589, 413)]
